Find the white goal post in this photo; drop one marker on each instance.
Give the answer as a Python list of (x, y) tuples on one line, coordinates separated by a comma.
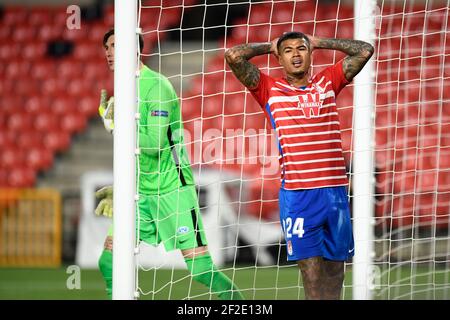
[(395, 137), (125, 73), (363, 164)]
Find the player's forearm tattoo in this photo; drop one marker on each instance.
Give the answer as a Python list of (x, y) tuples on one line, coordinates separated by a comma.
[(359, 52), (237, 58)]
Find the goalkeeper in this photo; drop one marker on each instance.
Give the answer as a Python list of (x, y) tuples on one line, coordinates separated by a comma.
[(168, 205)]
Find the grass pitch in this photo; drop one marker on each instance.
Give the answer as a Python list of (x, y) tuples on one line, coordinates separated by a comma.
[(256, 283)]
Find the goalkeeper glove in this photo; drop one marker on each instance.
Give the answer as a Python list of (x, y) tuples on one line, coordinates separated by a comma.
[(106, 111), (105, 206)]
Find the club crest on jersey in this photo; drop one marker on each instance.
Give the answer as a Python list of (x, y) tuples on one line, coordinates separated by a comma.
[(289, 247), (183, 230), (310, 104)]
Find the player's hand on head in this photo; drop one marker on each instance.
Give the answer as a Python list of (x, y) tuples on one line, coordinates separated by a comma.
[(106, 110), (312, 42), (273, 48), (105, 206)]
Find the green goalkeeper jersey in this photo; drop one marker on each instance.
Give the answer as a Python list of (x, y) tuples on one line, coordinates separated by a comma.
[(163, 163)]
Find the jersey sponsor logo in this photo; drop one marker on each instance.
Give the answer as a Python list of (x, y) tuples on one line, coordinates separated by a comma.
[(289, 247), (183, 230), (160, 113), (310, 104)]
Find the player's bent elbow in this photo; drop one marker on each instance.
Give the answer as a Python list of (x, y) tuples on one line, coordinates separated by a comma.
[(368, 50)]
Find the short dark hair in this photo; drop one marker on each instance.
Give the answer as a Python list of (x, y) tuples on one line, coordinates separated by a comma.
[(111, 32), (292, 35)]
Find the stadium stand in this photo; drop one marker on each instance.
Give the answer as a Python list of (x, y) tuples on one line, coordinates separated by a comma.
[(411, 113), (46, 100), (412, 109)]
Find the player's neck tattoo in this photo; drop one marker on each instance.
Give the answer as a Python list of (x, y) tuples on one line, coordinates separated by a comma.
[(297, 80)]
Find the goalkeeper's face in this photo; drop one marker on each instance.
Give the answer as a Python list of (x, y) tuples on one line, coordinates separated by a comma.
[(294, 55), (109, 52)]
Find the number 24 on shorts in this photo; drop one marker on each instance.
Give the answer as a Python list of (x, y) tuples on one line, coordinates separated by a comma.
[(295, 229)]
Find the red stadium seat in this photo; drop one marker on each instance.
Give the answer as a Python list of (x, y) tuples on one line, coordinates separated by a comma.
[(60, 17), (434, 43), (88, 106), (12, 157), (57, 141), (435, 20), (108, 16), (169, 17), (403, 210), (10, 103), (96, 32), (39, 158), (73, 123), (22, 177), (29, 139), (191, 108), (240, 34), (9, 50), (282, 15), (7, 139), (212, 106), (96, 72), (37, 104), (5, 33), (53, 87), (45, 122), (84, 50), (26, 88), (43, 69), (259, 13), (444, 157), (262, 200), (233, 121), (6, 86), (63, 104), (20, 122), (23, 34), (76, 35), (234, 103), (256, 121), (40, 16), (49, 32), (428, 136), (17, 68), (69, 69), (34, 49), (78, 87), (15, 15)]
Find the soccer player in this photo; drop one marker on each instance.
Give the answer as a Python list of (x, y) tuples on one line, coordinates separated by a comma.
[(314, 210), (168, 205)]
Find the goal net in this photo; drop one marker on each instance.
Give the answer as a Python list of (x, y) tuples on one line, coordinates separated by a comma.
[(234, 153)]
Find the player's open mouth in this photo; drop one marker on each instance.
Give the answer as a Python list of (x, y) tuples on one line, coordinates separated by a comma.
[(297, 63)]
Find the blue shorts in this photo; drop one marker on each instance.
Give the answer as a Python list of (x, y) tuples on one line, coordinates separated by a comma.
[(316, 223)]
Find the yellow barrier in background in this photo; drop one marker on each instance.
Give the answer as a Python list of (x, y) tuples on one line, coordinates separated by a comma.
[(30, 228)]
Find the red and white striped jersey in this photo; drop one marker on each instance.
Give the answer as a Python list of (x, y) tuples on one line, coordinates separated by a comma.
[(307, 127)]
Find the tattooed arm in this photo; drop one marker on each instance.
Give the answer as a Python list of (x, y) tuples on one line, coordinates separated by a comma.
[(359, 52), (238, 56)]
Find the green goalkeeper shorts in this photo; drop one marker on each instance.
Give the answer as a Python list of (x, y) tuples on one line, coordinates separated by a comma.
[(172, 218)]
